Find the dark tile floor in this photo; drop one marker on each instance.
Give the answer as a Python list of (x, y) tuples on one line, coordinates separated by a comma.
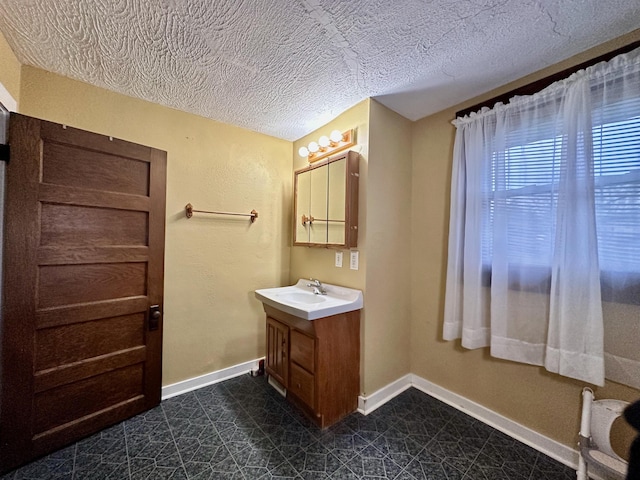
[(242, 429)]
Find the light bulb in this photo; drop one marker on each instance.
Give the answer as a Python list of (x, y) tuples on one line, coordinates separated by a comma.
[(303, 152), (324, 141), (313, 147), (336, 136)]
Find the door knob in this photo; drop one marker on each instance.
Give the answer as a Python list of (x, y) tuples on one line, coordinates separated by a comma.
[(154, 317)]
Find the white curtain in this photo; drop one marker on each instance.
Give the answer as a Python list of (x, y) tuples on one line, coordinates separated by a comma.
[(545, 226)]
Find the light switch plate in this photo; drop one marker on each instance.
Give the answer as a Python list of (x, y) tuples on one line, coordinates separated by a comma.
[(338, 259), (353, 263)]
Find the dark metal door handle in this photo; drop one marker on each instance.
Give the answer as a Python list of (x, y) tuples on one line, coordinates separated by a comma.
[(154, 317)]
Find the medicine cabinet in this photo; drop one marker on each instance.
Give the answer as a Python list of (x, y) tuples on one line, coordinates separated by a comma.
[(326, 203)]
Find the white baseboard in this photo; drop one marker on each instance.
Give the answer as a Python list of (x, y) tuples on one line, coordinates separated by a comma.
[(369, 403), (558, 451), (208, 379)]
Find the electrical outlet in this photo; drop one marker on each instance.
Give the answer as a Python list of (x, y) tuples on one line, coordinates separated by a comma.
[(353, 263), (338, 259)]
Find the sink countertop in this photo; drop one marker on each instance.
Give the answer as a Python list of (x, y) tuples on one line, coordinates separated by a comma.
[(299, 300)]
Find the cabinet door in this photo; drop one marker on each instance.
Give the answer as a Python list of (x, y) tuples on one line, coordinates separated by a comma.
[(318, 205), (326, 203), (302, 221), (277, 364), (336, 202)]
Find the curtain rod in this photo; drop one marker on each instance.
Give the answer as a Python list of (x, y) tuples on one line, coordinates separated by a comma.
[(538, 85)]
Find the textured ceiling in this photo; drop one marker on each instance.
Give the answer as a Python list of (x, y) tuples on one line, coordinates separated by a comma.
[(286, 67)]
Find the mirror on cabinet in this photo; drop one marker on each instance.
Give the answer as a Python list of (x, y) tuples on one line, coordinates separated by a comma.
[(326, 203)]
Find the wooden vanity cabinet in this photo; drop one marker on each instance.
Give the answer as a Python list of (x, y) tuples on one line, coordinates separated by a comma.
[(316, 361)]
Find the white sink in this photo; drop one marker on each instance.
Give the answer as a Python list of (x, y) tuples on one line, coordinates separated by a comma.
[(299, 300)]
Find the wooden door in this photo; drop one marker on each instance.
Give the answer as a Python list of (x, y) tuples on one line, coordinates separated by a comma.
[(83, 268), (277, 361)]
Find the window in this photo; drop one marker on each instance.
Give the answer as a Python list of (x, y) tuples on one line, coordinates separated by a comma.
[(544, 238), (525, 179)]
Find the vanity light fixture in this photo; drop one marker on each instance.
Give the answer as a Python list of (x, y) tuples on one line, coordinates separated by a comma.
[(326, 146)]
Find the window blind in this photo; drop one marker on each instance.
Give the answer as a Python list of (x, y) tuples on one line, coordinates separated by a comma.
[(525, 176)]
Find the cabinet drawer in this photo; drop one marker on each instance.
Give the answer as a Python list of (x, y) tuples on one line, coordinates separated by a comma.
[(301, 384), (302, 350)]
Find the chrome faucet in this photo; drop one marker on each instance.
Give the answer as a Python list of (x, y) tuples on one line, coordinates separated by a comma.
[(318, 288)]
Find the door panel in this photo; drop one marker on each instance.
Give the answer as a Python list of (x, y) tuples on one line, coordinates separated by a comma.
[(84, 253), (88, 395), (56, 376), (72, 284), (68, 165), (69, 225), (71, 343)]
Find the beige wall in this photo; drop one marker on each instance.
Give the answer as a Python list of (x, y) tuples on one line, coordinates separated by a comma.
[(544, 402), (386, 333), (384, 142), (212, 264), (313, 262), (9, 70)]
